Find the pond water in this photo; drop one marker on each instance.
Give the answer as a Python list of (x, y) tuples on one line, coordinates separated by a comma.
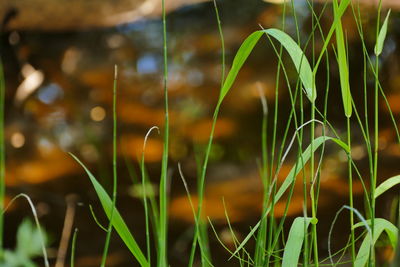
[(59, 100)]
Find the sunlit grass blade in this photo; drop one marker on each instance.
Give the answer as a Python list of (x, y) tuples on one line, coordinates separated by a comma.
[(342, 62), (301, 161), (382, 36), (294, 51), (299, 59), (240, 58), (380, 226), (386, 185), (293, 246), (340, 11), (290, 178), (117, 220)]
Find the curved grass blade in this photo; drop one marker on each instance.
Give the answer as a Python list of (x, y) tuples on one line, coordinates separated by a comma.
[(386, 185), (380, 225), (299, 59), (296, 54), (382, 36), (290, 178), (342, 62), (241, 56), (117, 220), (293, 246)]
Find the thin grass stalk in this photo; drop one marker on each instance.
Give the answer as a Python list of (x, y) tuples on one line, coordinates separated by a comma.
[(144, 197), (163, 219), (273, 143), (202, 179), (376, 133), (2, 153), (73, 248), (114, 163), (358, 20), (261, 236), (203, 233), (313, 204), (205, 257)]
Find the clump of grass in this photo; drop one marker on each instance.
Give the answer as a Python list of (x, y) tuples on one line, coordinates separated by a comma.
[(301, 245)]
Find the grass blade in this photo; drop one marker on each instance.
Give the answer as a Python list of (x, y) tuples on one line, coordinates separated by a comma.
[(380, 225), (342, 62), (117, 220), (241, 56), (382, 36), (293, 246), (342, 8), (290, 178), (386, 185), (300, 61)]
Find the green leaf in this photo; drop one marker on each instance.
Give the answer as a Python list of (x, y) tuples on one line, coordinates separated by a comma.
[(290, 178), (301, 161), (293, 246), (380, 225), (342, 62), (296, 54), (240, 57), (386, 185), (299, 59), (342, 8), (382, 36), (117, 220)]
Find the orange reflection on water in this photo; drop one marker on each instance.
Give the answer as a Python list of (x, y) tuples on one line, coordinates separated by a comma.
[(55, 164), (132, 145), (243, 197)]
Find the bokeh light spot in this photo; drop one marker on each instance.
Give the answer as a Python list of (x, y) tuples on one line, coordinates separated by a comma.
[(98, 113), (17, 140)]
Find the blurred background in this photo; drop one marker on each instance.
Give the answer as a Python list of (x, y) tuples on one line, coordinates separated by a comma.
[(59, 59)]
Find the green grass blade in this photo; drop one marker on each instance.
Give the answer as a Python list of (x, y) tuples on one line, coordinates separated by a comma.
[(342, 62), (290, 178), (342, 8), (73, 248), (386, 185), (241, 56), (293, 246), (382, 36), (380, 226), (299, 59), (117, 220), (301, 161)]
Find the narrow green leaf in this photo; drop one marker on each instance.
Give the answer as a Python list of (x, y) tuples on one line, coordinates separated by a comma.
[(301, 161), (342, 62), (382, 36), (296, 54), (117, 220), (342, 8), (293, 246), (380, 225), (240, 57), (290, 178), (386, 185), (299, 59)]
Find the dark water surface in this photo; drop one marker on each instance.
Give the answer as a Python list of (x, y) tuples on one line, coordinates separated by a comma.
[(59, 97)]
